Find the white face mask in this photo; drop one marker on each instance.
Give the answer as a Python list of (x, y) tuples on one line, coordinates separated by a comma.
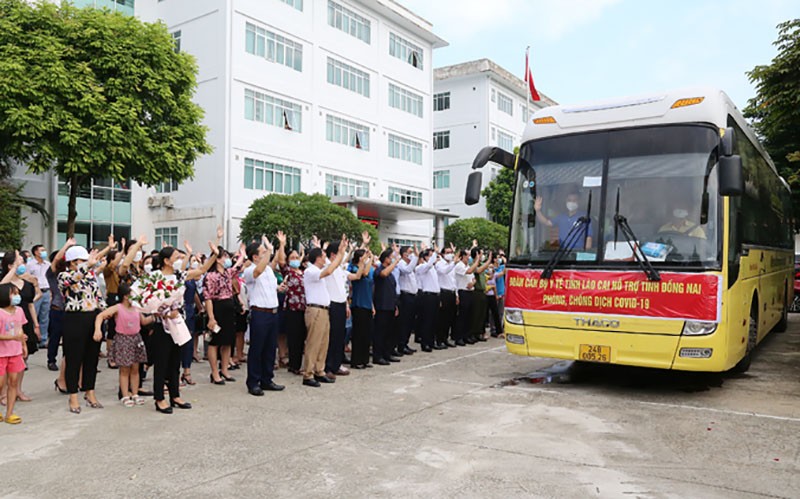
[(679, 213), (137, 257), (572, 206), (177, 264), (195, 265), (148, 268), (448, 257)]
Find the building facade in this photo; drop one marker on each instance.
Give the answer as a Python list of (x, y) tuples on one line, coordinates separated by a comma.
[(319, 96), (475, 104)]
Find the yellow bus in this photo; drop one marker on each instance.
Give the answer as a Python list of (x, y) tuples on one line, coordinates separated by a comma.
[(647, 231)]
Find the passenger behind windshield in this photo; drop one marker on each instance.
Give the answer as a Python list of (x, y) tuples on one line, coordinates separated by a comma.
[(565, 220)]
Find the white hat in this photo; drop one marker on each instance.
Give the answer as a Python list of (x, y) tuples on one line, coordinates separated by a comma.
[(76, 253)]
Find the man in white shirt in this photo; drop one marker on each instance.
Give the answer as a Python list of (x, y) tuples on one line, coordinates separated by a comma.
[(262, 290), (339, 311), (318, 303), (465, 282), (429, 287), (445, 269), (37, 267), (407, 310)]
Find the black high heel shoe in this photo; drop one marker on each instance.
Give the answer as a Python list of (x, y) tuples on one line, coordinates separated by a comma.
[(229, 379), (166, 410), (220, 382), (58, 388), (180, 405)]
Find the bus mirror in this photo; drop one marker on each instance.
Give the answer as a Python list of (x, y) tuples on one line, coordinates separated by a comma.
[(731, 176), (726, 142), (495, 155), (474, 184), (704, 209)]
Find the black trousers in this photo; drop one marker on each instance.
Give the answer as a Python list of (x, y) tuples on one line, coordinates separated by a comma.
[(296, 337), (166, 363), (80, 350), (478, 321), (447, 316), (493, 314), (407, 306), (338, 318), (384, 337), (361, 337), (430, 308), (418, 318), (54, 331), (464, 313)]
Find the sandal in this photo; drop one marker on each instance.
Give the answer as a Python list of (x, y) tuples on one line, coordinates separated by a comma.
[(13, 419), (138, 400), (93, 405), (75, 410), (187, 378), (128, 402)]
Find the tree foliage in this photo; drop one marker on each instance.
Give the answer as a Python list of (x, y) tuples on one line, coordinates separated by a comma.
[(490, 235), (89, 93), (302, 216), (775, 110), (11, 224), (499, 196)]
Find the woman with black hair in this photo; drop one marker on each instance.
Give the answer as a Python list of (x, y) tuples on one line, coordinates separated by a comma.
[(221, 309), (168, 265)]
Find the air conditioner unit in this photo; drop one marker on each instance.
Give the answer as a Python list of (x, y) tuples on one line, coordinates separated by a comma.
[(167, 202), (153, 201)]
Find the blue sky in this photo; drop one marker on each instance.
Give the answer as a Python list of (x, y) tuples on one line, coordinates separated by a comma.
[(589, 49)]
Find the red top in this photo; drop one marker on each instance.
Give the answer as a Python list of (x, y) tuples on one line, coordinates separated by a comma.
[(295, 290), (218, 286)]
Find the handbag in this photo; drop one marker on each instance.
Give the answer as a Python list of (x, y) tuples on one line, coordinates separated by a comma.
[(178, 330)]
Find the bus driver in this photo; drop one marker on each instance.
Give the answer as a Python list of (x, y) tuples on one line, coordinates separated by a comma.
[(679, 223)]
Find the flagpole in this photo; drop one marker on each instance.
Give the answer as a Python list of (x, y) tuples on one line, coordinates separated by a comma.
[(527, 84)]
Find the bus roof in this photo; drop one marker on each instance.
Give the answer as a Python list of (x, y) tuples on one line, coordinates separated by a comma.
[(687, 105)]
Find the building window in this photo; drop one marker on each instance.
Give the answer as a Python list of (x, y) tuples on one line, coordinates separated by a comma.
[(523, 111), (344, 186), (104, 208), (405, 150), (402, 99), (271, 177), (346, 76), (405, 196), (346, 132), (404, 242), (167, 187), (166, 236), (505, 141), (273, 111), (494, 95), (176, 37), (346, 20), (273, 47), (405, 50), (505, 104), (441, 179), (297, 4), (441, 140), (441, 101)]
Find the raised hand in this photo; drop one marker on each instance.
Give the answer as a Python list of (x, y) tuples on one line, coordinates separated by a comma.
[(187, 247), (453, 247), (268, 244), (537, 203), (220, 233), (423, 246), (314, 241), (365, 238), (111, 243), (383, 246), (214, 248), (474, 243), (243, 250), (142, 241), (92, 261), (71, 242)]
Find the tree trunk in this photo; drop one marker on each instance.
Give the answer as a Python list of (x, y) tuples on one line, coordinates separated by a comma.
[(72, 212)]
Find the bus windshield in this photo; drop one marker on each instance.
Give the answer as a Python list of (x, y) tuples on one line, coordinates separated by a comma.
[(655, 175)]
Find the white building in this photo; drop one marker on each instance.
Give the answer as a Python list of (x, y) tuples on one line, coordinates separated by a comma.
[(319, 96), (475, 104)]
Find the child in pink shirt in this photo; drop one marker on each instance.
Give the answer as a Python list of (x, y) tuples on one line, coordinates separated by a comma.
[(13, 348)]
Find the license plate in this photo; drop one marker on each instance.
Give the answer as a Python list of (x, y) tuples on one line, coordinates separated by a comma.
[(594, 353)]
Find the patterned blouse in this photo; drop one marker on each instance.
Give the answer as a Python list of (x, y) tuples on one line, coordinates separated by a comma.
[(295, 290), (81, 291), (219, 285)]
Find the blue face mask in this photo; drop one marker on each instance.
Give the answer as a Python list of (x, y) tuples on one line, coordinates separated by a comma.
[(471, 260), (16, 300), (227, 263), (295, 264), (43, 255), (21, 269)]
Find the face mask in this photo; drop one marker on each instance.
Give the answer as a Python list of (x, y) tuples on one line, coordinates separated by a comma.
[(148, 268), (137, 257), (227, 263), (177, 265), (471, 260), (448, 257), (16, 300), (295, 264), (678, 213), (572, 206), (30, 260), (21, 269), (43, 255), (501, 261), (195, 265)]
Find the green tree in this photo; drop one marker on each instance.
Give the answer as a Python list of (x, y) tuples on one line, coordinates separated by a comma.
[(775, 110), (489, 234), (499, 195), (302, 216), (88, 93)]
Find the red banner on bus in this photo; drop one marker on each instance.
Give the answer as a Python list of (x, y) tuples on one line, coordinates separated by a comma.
[(676, 296)]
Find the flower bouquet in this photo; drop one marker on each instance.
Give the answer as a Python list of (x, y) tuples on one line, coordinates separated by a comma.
[(153, 294)]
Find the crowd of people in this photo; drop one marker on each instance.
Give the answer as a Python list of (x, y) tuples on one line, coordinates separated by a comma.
[(267, 306)]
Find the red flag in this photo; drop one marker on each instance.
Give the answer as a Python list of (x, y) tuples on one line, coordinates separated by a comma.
[(529, 80)]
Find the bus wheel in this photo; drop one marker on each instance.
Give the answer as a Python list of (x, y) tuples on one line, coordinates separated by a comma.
[(752, 338), (783, 324)]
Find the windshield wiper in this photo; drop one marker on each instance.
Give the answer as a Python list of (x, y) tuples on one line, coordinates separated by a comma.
[(570, 239), (620, 222)]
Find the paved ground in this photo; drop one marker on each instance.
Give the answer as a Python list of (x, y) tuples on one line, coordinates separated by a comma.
[(456, 423)]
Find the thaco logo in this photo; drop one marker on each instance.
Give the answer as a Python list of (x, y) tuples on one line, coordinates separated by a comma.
[(596, 323)]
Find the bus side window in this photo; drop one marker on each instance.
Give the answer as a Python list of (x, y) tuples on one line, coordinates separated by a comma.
[(735, 240)]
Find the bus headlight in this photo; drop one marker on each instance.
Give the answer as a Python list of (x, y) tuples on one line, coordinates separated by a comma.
[(698, 328), (514, 317)]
